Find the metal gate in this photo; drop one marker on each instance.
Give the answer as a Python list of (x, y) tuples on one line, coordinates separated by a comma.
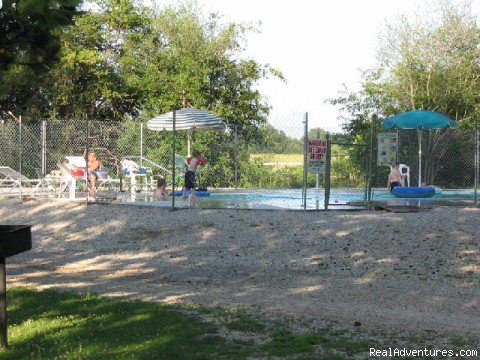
[(343, 179)]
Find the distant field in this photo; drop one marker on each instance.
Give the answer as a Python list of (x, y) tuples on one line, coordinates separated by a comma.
[(279, 160)]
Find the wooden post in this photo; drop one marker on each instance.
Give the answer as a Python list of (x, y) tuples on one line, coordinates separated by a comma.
[(3, 304)]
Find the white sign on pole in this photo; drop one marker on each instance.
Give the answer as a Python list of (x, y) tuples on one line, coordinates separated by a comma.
[(317, 153)]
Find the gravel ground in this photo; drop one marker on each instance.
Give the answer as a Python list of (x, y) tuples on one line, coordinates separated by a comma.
[(398, 272)]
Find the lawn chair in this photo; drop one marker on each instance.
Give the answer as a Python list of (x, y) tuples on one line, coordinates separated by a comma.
[(135, 173), (104, 181), (13, 180), (73, 170), (405, 171)]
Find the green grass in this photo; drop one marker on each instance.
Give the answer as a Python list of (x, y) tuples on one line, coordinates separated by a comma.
[(284, 159), (49, 324), (246, 323), (462, 342), (59, 325), (285, 343)]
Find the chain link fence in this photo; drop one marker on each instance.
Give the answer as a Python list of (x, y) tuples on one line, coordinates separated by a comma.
[(448, 162), (237, 159), (265, 161)]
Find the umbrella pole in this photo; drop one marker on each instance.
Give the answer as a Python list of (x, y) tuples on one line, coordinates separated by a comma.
[(419, 133), (189, 143)]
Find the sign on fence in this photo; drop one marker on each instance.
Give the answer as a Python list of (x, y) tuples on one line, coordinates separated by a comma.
[(387, 149), (317, 152)]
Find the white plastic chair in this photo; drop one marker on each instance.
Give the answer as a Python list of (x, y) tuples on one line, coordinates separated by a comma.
[(70, 178), (133, 171), (104, 181), (405, 171)]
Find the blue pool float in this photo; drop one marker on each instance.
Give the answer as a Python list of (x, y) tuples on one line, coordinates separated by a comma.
[(414, 191), (197, 193)]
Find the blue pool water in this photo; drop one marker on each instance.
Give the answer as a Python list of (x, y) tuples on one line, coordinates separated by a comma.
[(288, 199), (254, 199)]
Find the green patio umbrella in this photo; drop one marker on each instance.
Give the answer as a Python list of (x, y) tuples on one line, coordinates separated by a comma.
[(419, 120)]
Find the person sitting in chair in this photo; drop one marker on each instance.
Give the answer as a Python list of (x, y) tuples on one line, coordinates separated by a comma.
[(395, 178), (94, 168)]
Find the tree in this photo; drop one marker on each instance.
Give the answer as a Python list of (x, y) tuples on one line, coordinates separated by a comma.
[(88, 79), (29, 47), (434, 65), (276, 141), (28, 31), (429, 62), (185, 59)]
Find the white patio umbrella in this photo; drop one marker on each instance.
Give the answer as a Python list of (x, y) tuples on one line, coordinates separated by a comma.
[(187, 119)]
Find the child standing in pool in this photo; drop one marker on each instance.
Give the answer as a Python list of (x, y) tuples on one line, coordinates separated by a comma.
[(161, 191), (395, 178), (191, 173)]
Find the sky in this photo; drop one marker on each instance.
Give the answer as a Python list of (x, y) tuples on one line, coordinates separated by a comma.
[(320, 46)]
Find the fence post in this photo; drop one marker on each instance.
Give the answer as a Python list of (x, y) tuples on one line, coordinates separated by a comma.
[(141, 144), (317, 175), (87, 151), (21, 145), (174, 135), (305, 151), (20, 140), (370, 159), (317, 180), (328, 167), (476, 161), (44, 147), (236, 155), (19, 120)]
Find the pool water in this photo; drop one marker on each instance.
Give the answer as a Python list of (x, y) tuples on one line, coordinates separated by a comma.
[(289, 199), (255, 199)]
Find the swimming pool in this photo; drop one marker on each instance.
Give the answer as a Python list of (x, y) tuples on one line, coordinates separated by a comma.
[(253, 199), (284, 199), (289, 199)]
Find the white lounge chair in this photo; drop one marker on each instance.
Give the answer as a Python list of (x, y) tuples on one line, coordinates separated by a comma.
[(136, 173), (104, 181), (12, 180)]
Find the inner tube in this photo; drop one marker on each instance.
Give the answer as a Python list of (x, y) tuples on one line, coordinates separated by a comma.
[(189, 192), (414, 191)]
